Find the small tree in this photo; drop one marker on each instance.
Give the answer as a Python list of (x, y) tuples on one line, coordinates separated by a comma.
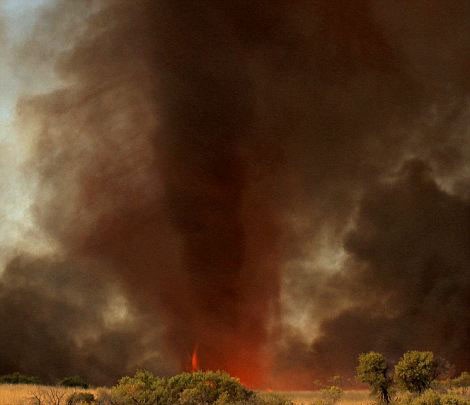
[(143, 388), (373, 370), (331, 395), (74, 381), (18, 378), (416, 371), (462, 381)]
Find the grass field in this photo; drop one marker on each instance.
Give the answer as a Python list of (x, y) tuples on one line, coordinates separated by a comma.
[(351, 397), (23, 394)]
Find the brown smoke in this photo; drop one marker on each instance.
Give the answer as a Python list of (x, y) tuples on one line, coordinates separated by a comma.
[(59, 321), (201, 150)]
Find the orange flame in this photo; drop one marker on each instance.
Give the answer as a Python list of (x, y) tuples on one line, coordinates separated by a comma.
[(194, 360)]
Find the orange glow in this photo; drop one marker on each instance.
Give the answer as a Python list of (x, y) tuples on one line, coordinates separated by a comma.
[(194, 360)]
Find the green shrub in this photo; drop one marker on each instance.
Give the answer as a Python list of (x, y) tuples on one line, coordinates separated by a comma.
[(205, 387), (196, 388), (74, 381), (143, 388), (17, 378), (80, 398), (416, 371)]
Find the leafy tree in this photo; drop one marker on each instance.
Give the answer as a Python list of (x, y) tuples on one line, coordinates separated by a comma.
[(416, 371), (74, 381), (373, 370)]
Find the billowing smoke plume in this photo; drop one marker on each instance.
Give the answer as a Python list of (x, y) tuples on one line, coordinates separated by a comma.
[(59, 321), (212, 156)]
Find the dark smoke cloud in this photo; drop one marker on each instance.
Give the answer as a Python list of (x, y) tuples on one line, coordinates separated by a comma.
[(59, 319), (207, 152), (407, 277)]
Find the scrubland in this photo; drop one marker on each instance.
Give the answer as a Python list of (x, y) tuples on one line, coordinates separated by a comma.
[(350, 397), (24, 394)]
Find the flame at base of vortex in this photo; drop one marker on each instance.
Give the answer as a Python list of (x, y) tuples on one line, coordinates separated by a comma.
[(242, 365), (194, 360)]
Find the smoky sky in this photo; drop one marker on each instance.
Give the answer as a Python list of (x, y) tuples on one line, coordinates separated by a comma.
[(60, 321), (206, 156)]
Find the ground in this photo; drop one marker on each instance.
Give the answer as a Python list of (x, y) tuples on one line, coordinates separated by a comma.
[(19, 394), (352, 397)]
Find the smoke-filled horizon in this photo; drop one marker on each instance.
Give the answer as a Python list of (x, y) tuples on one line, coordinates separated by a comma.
[(281, 185)]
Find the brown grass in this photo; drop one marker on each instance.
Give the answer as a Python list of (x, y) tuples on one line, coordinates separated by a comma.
[(350, 397), (22, 394)]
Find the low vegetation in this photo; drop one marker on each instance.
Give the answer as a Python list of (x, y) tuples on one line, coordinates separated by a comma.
[(74, 381), (198, 388), (18, 378), (414, 380)]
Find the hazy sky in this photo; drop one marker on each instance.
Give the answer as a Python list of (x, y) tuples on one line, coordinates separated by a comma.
[(17, 24)]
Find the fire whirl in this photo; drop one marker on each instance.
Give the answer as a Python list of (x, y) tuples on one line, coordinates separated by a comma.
[(194, 360)]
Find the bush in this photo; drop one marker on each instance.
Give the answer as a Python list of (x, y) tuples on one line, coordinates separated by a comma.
[(331, 395), (416, 371), (431, 397), (80, 398), (183, 389), (73, 381), (143, 388), (17, 378), (205, 388)]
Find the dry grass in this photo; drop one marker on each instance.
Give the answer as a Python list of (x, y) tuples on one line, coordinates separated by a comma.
[(350, 397), (22, 394)]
